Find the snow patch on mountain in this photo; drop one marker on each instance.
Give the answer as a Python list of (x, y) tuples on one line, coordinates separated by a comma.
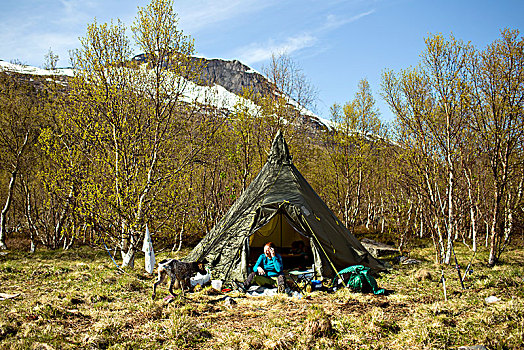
[(217, 96), (23, 69), (214, 95)]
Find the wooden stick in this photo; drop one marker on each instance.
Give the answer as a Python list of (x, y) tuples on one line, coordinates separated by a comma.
[(443, 279)]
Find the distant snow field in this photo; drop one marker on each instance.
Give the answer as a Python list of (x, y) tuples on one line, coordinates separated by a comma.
[(23, 69), (215, 95)]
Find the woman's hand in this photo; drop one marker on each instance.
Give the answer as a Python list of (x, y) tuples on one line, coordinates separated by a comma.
[(272, 252), (261, 271)]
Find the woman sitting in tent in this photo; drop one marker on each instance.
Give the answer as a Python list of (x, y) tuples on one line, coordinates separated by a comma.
[(268, 269)]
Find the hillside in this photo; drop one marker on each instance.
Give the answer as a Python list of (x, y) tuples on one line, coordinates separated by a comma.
[(224, 80)]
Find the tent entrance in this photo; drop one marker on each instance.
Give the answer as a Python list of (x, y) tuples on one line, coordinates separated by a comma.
[(279, 231)]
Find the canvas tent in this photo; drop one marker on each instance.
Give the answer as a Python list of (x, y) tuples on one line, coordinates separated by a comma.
[(280, 206)]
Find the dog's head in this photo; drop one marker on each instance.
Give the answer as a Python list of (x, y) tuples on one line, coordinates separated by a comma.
[(200, 266)]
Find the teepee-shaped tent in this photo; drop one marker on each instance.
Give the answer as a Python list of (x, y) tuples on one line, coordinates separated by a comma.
[(280, 206)]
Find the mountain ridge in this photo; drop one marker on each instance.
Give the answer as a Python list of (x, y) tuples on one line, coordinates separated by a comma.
[(217, 73)]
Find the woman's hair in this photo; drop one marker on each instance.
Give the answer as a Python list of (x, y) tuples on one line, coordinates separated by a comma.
[(270, 245)]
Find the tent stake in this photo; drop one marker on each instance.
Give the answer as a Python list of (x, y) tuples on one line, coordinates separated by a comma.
[(443, 279)]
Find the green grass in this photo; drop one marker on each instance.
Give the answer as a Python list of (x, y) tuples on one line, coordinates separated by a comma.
[(77, 299)]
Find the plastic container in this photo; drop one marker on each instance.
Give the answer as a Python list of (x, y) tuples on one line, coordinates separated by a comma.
[(216, 284), (316, 284), (200, 279)]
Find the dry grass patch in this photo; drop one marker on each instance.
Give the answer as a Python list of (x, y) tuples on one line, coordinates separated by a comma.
[(77, 299)]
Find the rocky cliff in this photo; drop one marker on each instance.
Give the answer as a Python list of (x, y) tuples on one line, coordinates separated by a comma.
[(236, 77), (233, 76)]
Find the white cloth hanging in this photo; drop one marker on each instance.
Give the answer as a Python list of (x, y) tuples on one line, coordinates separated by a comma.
[(147, 248)]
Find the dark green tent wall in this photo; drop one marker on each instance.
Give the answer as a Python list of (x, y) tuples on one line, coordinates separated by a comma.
[(280, 189)]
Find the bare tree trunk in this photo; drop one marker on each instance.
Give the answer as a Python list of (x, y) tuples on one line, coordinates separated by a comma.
[(472, 212), (3, 214), (421, 231), (508, 220), (127, 245), (33, 230), (347, 208), (440, 240), (406, 230), (368, 218), (450, 226), (487, 234), (494, 238), (7, 206), (180, 236), (69, 242), (128, 258), (382, 217), (185, 213), (62, 218), (497, 227), (357, 203)]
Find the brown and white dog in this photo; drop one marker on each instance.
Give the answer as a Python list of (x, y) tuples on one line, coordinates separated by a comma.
[(179, 272)]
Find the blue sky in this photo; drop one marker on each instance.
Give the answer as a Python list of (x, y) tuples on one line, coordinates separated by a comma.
[(336, 42)]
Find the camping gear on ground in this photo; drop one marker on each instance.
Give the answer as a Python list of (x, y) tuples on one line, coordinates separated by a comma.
[(359, 278), (316, 284), (200, 279), (280, 206), (301, 279), (216, 284), (260, 291), (265, 281)]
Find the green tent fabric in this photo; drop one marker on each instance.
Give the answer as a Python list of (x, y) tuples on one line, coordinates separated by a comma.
[(279, 205), (359, 278)]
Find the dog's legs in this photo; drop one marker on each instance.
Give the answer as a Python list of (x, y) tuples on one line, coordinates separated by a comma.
[(171, 284), (188, 284), (183, 287), (160, 279), (185, 284)]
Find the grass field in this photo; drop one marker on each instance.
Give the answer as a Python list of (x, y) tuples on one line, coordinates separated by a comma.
[(77, 299)]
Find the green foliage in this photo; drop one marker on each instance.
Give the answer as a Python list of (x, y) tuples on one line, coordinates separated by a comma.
[(20, 124), (124, 138), (127, 144), (452, 119)]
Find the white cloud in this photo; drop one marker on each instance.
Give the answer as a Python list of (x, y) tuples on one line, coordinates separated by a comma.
[(74, 12), (27, 32), (34, 46), (198, 14), (258, 52), (333, 21)]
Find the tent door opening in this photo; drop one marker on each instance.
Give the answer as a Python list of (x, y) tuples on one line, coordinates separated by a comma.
[(284, 235), (279, 231)]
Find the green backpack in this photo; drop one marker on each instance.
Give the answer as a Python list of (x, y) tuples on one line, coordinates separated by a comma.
[(359, 278)]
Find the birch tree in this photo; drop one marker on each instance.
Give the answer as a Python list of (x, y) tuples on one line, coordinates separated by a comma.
[(498, 73), (431, 104), (19, 113), (352, 147), (130, 127)]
